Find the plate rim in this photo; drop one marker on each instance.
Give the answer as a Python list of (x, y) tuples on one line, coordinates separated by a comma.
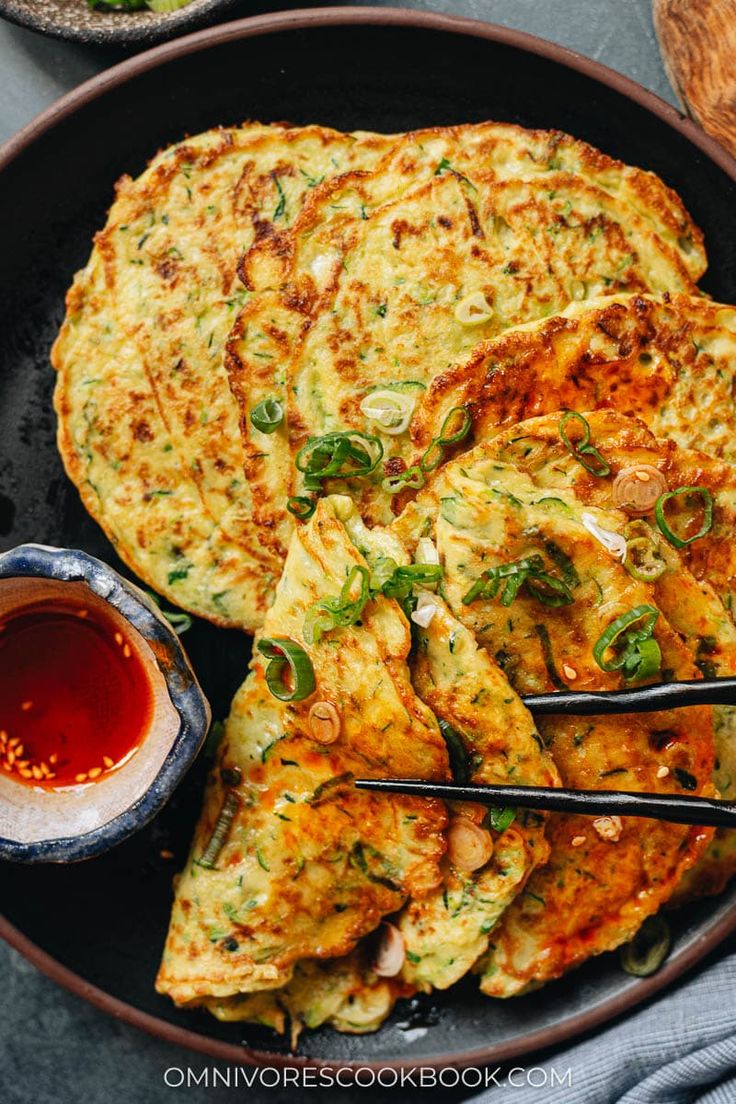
[(300, 19)]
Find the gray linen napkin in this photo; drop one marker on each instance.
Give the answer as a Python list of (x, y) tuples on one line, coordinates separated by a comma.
[(681, 1049)]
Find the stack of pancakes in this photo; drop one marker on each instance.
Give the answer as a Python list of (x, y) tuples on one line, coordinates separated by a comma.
[(512, 274)]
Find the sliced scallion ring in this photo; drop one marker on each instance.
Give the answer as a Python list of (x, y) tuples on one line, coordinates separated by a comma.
[(462, 430), (301, 506), (638, 655), (582, 450), (340, 455), (643, 560), (672, 537), (435, 453), (390, 410), (646, 952), (286, 656), (267, 416), (339, 612)]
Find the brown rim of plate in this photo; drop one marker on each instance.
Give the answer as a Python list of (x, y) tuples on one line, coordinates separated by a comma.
[(345, 17)]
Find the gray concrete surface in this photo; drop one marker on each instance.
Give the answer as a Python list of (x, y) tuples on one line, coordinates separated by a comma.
[(53, 1046)]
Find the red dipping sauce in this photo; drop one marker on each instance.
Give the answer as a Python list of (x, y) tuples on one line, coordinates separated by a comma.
[(75, 698)]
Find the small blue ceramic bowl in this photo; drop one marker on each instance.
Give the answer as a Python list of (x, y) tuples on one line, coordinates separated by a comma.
[(78, 822)]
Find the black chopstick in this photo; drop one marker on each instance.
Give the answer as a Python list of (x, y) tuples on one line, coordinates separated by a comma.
[(640, 699), (673, 807)]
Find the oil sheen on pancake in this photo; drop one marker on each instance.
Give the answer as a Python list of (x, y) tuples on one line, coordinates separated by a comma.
[(148, 429), (392, 277), (698, 602), (486, 510), (670, 360), (309, 864)]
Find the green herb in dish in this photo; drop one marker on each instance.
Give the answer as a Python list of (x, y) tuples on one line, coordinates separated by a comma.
[(585, 453), (286, 655), (339, 612), (697, 492), (635, 652), (267, 416)]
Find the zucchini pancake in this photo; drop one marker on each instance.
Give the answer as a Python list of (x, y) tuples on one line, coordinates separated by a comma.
[(148, 429), (443, 419), (389, 278)]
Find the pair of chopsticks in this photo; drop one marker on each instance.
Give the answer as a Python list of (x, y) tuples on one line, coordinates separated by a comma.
[(680, 809)]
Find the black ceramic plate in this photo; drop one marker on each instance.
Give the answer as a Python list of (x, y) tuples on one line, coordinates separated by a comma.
[(99, 926)]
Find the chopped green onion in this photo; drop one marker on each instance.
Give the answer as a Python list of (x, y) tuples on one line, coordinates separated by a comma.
[(499, 818), (638, 655), (672, 537), (268, 415), (648, 949), (435, 453), (405, 578), (285, 654), (220, 832), (412, 477), (301, 506), (346, 609), (583, 449), (340, 455), (528, 572), (383, 570), (462, 431), (643, 557)]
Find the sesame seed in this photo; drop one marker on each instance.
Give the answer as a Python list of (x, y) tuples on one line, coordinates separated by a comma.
[(80, 777), (83, 613), (126, 651), (95, 772), (166, 854), (107, 761), (19, 750), (663, 772), (26, 705), (11, 757), (37, 773), (119, 638), (578, 841), (51, 774), (643, 476), (21, 763), (6, 765), (569, 672), (14, 742), (26, 773), (3, 737), (53, 757)]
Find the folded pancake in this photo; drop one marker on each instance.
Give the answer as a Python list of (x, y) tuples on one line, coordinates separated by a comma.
[(540, 592), (148, 428), (698, 603), (493, 739), (388, 278), (671, 360), (289, 860)]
